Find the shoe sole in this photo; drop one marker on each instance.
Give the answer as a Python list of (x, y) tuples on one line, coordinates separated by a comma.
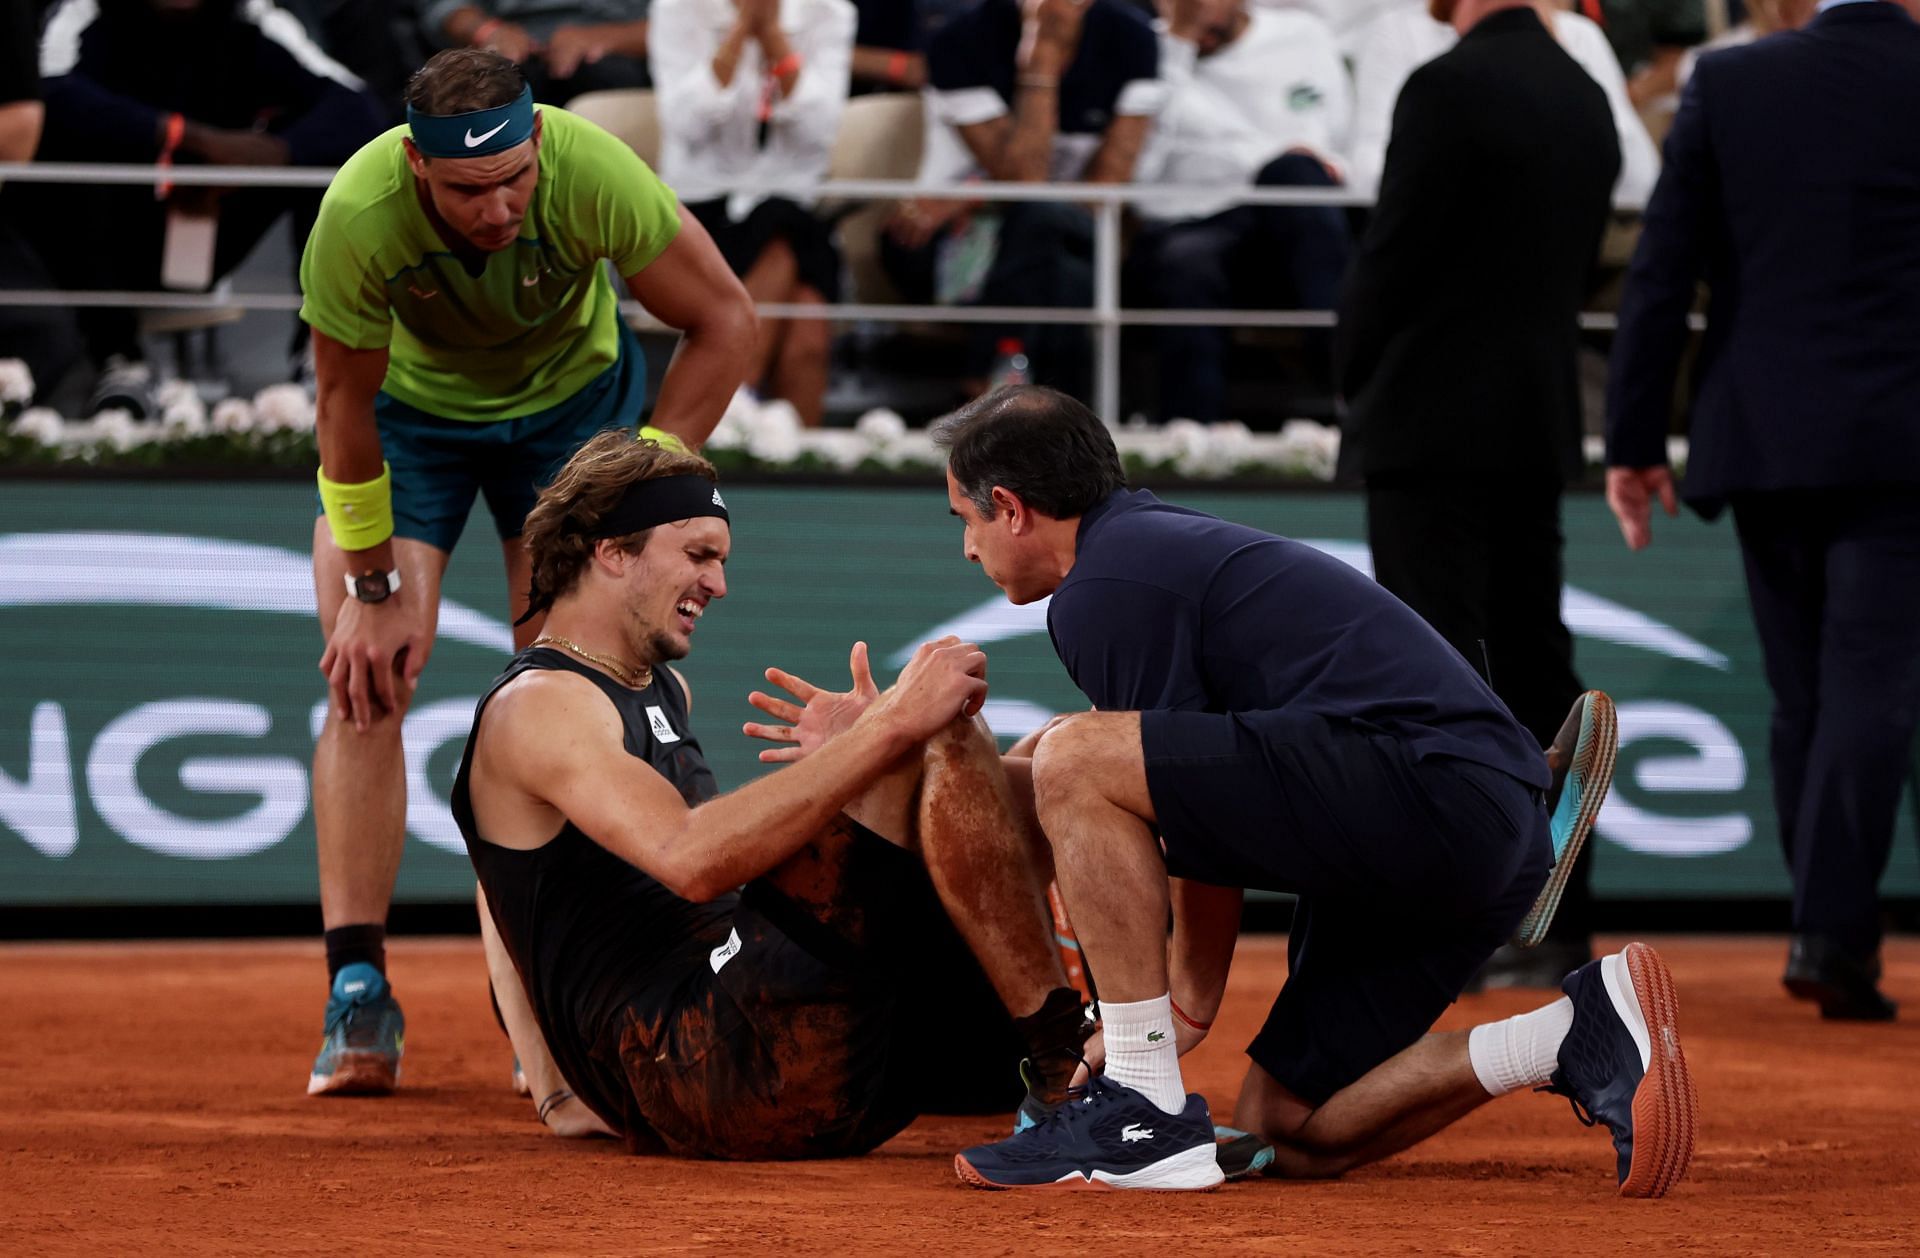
[(1666, 1108), (1593, 758), (357, 1074), (1239, 1153), (1190, 1170)]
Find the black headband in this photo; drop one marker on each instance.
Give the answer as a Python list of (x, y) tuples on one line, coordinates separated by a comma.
[(661, 500), (645, 504)]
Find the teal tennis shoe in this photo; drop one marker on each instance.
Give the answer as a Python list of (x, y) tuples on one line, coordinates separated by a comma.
[(365, 1032)]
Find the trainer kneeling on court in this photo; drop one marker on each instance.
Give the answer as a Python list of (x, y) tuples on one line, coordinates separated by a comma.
[(1269, 717), (466, 341), (782, 1020)]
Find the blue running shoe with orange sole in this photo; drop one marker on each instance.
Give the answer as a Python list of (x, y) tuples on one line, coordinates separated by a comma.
[(1106, 1136), (1621, 1066), (365, 1033)]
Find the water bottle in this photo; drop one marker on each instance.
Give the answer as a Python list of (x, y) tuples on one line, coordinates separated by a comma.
[(1009, 364)]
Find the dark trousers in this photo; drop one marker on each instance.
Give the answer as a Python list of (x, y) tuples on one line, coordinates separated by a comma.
[(98, 236), (1250, 256), (1482, 564), (1834, 579), (1044, 258)]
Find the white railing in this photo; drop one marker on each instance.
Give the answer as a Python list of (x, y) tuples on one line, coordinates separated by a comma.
[(1105, 201)]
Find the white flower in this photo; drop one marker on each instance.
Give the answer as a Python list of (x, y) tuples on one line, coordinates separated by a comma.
[(233, 415), (1305, 446), (776, 434), (283, 408), (738, 424), (16, 383), (116, 428), (41, 423), (880, 426)]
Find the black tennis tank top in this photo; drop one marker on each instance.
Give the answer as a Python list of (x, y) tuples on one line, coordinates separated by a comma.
[(590, 934)]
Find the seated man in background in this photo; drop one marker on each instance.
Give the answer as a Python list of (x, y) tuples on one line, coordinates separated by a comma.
[(1406, 37), (564, 48), (684, 1011), (1037, 90), (203, 82), (1256, 96), (751, 91)]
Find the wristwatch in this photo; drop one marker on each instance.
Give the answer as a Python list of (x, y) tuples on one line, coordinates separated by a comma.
[(373, 587)]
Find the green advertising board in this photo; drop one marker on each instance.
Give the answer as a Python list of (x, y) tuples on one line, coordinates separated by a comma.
[(159, 691)]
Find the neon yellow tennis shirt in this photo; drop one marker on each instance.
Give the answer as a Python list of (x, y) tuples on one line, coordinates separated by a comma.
[(539, 321)]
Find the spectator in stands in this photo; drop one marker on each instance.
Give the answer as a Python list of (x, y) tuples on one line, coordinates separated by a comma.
[(751, 91), (1256, 96), (1649, 39), (1390, 47), (379, 41), (31, 333), (21, 113), (565, 48), (1763, 18), (1457, 344), (1032, 90), (204, 82), (1789, 188), (889, 47)]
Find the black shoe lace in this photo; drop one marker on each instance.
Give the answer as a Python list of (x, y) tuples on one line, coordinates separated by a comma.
[(1090, 1095), (1580, 1111)]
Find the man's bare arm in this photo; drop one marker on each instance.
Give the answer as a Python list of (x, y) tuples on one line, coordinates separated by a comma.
[(1119, 150), (555, 739), (690, 287)]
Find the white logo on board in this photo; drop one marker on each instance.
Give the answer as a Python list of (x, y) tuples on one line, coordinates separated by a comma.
[(662, 728)]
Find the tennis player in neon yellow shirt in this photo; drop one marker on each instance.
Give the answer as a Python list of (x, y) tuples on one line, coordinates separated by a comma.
[(466, 342)]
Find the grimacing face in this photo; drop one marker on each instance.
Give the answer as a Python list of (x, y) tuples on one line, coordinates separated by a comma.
[(677, 574), (483, 199)]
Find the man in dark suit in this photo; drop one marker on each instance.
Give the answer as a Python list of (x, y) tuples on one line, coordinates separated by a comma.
[(1792, 186), (1456, 351)]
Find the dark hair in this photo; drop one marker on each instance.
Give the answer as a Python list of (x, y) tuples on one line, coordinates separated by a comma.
[(1038, 444), (461, 80), (558, 535)]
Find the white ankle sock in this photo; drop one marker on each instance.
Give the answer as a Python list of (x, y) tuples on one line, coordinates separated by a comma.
[(1140, 1050), (1521, 1051)]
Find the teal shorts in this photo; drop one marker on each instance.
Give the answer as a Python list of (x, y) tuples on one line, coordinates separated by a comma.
[(439, 465)]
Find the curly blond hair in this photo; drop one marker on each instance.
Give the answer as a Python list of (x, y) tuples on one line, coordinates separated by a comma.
[(559, 533)]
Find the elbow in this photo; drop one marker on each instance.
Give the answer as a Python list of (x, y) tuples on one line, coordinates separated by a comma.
[(698, 885)]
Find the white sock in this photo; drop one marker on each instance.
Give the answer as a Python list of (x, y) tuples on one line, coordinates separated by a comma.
[(1140, 1050), (1522, 1051)]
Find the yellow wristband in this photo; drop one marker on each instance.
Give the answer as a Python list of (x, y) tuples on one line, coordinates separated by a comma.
[(666, 440), (360, 516)]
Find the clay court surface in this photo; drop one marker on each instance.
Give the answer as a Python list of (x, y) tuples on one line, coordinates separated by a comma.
[(151, 1102)]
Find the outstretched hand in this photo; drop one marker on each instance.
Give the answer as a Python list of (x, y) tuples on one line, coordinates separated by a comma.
[(819, 717)]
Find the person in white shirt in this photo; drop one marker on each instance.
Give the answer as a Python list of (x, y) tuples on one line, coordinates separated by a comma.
[(1258, 96), (751, 92), (1406, 37)]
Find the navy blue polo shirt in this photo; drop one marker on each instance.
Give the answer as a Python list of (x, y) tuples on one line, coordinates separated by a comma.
[(972, 64), (1167, 608)]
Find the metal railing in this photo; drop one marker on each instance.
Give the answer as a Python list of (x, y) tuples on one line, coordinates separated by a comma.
[(1104, 201)]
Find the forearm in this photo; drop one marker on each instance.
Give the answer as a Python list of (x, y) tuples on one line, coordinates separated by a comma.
[(1206, 924), (726, 58), (20, 130), (626, 39), (1025, 156), (890, 66), (712, 361), (741, 835), (777, 52), (350, 454)]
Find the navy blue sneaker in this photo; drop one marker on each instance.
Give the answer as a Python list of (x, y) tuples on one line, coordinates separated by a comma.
[(365, 1032), (1621, 1065), (1581, 764), (1106, 1136)]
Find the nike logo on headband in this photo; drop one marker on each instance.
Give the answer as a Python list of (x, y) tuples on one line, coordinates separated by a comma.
[(475, 141)]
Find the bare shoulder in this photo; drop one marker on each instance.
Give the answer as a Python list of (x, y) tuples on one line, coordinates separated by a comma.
[(686, 691), (541, 712)]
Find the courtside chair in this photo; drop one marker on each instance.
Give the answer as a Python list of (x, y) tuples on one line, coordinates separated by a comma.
[(629, 114)]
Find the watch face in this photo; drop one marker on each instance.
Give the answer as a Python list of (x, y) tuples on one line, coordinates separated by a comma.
[(371, 587)]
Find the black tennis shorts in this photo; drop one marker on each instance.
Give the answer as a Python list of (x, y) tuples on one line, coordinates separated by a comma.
[(1409, 872), (805, 1034)]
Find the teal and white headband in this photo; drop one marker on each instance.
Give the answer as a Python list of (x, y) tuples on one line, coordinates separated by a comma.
[(474, 134)]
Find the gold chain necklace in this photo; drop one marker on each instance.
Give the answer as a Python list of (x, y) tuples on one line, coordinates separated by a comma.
[(625, 674)]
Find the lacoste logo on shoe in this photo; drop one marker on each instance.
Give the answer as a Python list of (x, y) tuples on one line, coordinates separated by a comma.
[(1134, 1131), (1154, 1037), (475, 141)]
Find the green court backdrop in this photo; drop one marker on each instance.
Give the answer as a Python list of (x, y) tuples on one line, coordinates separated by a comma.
[(159, 696)]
